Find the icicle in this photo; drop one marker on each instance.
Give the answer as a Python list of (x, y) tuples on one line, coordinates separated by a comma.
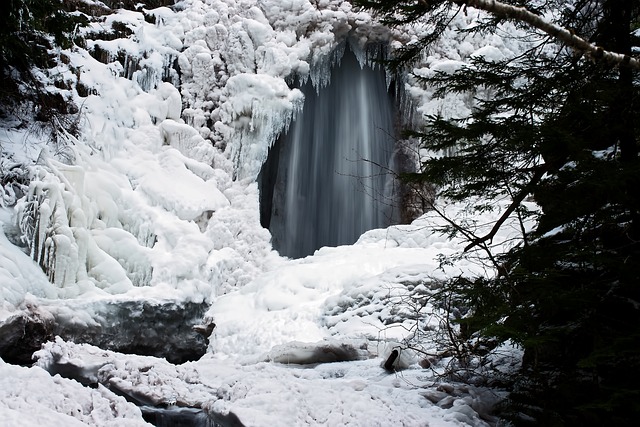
[(260, 108), (320, 73)]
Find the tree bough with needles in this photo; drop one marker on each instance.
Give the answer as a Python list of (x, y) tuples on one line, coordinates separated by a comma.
[(555, 125)]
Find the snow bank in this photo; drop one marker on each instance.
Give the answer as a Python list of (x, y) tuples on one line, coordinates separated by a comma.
[(30, 397), (351, 292)]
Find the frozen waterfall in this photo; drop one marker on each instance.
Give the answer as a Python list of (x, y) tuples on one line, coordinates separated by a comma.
[(324, 181)]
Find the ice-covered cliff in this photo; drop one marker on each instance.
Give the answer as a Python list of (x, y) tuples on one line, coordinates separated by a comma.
[(146, 222)]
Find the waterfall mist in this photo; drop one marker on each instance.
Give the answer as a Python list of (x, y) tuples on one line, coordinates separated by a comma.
[(324, 182)]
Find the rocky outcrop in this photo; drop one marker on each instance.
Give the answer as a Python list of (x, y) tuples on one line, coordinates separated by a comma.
[(144, 327), (24, 333)]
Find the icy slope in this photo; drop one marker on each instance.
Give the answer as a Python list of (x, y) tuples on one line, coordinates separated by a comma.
[(150, 199)]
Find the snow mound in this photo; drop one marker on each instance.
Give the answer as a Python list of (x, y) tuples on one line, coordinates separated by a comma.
[(30, 396), (325, 351)]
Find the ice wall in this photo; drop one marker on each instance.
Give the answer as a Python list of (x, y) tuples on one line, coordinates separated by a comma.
[(333, 164)]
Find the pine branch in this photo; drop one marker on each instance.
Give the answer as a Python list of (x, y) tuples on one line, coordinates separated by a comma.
[(563, 35)]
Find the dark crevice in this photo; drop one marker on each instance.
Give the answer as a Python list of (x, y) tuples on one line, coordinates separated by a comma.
[(328, 179)]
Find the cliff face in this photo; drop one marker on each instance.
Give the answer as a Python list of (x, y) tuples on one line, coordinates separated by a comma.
[(129, 165), (140, 183)]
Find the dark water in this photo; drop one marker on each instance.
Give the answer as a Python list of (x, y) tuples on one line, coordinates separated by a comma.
[(328, 174), (177, 417), (187, 417)]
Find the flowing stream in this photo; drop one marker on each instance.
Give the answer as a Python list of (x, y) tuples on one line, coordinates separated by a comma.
[(324, 183)]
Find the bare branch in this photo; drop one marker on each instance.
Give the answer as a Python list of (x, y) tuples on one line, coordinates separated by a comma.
[(517, 200), (563, 35)]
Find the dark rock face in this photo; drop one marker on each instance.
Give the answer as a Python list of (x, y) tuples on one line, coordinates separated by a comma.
[(137, 4), (149, 328), (23, 334), (164, 329)]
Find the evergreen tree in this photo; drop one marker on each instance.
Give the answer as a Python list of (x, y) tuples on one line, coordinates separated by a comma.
[(560, 127)]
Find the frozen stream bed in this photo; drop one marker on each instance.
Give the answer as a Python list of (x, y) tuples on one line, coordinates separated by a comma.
[(302, 344), (276, 394)]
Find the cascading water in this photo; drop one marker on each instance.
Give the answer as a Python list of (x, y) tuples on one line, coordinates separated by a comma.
[(324, 183)]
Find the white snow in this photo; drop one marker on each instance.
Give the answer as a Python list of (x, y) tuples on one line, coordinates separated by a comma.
[(157, 198), (357, 393), (32, 397), (19, 275)]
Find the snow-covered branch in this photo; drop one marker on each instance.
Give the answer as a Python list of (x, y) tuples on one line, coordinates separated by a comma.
[(563, 35)]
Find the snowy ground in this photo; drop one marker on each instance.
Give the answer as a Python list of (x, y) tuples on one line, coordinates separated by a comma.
[(338, 298), (156, 199)]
